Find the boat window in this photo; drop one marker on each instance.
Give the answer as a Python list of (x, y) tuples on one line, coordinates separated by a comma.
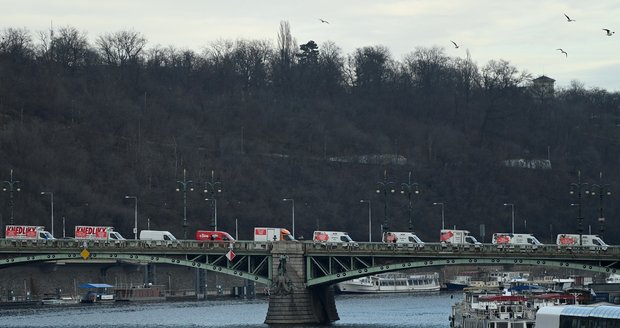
[(501, 324)]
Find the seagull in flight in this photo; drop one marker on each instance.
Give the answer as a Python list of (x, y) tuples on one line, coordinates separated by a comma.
[(323, 21), (456, 46), (609, 33), (568, 18), (562, 51)]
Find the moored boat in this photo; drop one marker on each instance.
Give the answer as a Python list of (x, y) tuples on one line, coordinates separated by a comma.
[(579, 316), (98, 293), (458, 282), (59, 300), (392, 283), (484, 309)]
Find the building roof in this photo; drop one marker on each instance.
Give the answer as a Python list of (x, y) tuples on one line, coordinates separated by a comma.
[(598, 311), (91, 285), (543, 78)]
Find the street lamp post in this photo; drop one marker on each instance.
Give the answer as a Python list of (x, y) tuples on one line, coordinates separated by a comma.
[(512, 211), (369, 219), (442, 215), (135, 216), (213, 187), (385, 187), (410, 188), (214, 213), (602, 190), (52, 208), (184, 186), (576, 189), (293, 212), (10, 186)]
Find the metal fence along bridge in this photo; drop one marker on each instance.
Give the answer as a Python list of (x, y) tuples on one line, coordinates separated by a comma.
[(300, 274)]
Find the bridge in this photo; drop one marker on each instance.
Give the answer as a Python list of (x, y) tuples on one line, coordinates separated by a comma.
[(301, 274)]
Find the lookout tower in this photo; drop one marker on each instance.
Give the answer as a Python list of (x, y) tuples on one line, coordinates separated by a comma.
[(543, 87)]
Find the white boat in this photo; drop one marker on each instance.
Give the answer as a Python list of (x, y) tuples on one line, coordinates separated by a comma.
[(481, 309), (392, 283), (59, 301), (578, 316), (613, 278)]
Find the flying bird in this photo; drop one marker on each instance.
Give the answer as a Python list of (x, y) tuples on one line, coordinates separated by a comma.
[(456, 46), (562, 51), (568, 18), (609, 33), (323, 21)]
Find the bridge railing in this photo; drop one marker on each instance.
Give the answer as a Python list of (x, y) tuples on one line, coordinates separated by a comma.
[(10, 245), (442, 248), (130, 244)]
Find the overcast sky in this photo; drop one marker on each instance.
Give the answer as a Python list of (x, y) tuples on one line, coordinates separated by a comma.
[(527, 33)]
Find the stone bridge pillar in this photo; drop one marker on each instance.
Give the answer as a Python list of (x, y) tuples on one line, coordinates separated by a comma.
[(290, 301)]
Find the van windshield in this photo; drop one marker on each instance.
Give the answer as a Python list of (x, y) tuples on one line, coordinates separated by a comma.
[(471, 240), (169, 237), (116, 236), (46, 235), (346, 238)]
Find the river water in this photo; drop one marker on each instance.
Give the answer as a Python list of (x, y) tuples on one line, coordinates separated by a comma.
[(356, 311)]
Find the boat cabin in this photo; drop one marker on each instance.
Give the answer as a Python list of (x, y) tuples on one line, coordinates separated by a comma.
[(97, 293)]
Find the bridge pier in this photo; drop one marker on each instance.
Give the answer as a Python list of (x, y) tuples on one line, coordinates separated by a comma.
[(290, 301)]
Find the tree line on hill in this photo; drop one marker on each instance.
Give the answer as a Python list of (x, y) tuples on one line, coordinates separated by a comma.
[(94, 122)]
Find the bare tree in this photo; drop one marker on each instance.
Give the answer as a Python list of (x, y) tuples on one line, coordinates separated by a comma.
[(282, 70), (500, 75), (121, 48), (286, 44), (331, 67), (16, 42), (427, 67), (70, 48), (372, 66), (251, 60)]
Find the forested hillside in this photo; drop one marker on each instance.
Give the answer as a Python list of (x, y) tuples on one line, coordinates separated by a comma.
[(93, 122)]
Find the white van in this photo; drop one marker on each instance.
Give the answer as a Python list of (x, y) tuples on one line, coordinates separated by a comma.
[(402, 238), (504, 238), (457, 237), (156, 235), (591, 241), (333, 237)]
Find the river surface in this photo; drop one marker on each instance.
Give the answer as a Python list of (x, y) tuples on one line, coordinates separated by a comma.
[(355, 311)]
